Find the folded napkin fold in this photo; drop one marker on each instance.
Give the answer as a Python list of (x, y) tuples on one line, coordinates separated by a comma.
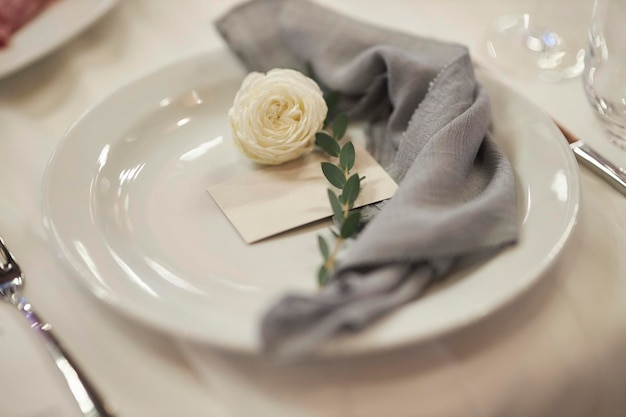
[(428, 123)]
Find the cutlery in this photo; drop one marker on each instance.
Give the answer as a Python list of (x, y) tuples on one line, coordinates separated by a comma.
[(11, 285), (585, 154), (605, 169)]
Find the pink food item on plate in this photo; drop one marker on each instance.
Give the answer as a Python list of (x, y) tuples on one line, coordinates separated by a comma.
[(16, 13)]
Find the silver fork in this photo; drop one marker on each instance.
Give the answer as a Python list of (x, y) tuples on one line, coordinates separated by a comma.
[(11, 283)]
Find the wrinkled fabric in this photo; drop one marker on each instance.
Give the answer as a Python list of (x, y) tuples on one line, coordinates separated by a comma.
[(428, 125)]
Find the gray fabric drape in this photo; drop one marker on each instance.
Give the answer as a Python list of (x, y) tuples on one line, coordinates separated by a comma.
[(428, 126)]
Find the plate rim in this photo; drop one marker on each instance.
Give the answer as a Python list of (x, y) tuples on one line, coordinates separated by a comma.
[(336, 347)]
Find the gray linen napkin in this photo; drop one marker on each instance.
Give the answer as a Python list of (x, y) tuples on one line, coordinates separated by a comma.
[(428, 126)]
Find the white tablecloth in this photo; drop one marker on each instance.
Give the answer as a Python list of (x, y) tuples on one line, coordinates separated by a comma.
[(556, 351)]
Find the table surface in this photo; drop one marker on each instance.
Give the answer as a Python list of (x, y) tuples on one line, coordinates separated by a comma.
[(558, 350)]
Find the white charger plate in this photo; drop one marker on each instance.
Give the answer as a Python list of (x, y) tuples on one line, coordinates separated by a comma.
[(56, 25), (125, 203)]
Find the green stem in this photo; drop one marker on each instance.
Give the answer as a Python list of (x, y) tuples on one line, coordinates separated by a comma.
[(330, 262)]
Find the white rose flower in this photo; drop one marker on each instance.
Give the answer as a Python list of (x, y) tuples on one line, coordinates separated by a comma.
[(275, 116)]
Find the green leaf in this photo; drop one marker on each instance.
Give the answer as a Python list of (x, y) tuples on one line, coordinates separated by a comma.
[(331, 98), (340, 124), (323, 247), (333, 174), (351, 190), (347, 156), (335, 205), (349, 226), (308, 69), (322, 276), (327, 143)]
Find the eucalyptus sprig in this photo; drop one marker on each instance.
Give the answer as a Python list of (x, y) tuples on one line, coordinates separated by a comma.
[(347, 186)]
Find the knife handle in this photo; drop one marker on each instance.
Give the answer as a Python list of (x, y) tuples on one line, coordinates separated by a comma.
[(609, 172)]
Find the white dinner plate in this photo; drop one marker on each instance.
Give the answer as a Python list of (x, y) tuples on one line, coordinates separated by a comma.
[(57, 24), (125, 203)]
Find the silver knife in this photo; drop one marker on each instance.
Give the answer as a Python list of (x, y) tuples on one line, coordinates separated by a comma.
[(605, 169)]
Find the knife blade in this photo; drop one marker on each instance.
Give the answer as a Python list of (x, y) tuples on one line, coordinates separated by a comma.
[(587, 156)]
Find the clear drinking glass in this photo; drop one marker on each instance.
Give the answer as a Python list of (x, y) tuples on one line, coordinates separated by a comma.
[(541, 38), (605, 66)]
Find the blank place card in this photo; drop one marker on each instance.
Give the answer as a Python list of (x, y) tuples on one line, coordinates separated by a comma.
[(265, 201)]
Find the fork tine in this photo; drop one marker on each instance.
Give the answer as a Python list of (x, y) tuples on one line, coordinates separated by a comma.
[(5, 257)]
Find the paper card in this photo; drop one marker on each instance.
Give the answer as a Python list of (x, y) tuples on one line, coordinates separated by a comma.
[(270, 200)]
